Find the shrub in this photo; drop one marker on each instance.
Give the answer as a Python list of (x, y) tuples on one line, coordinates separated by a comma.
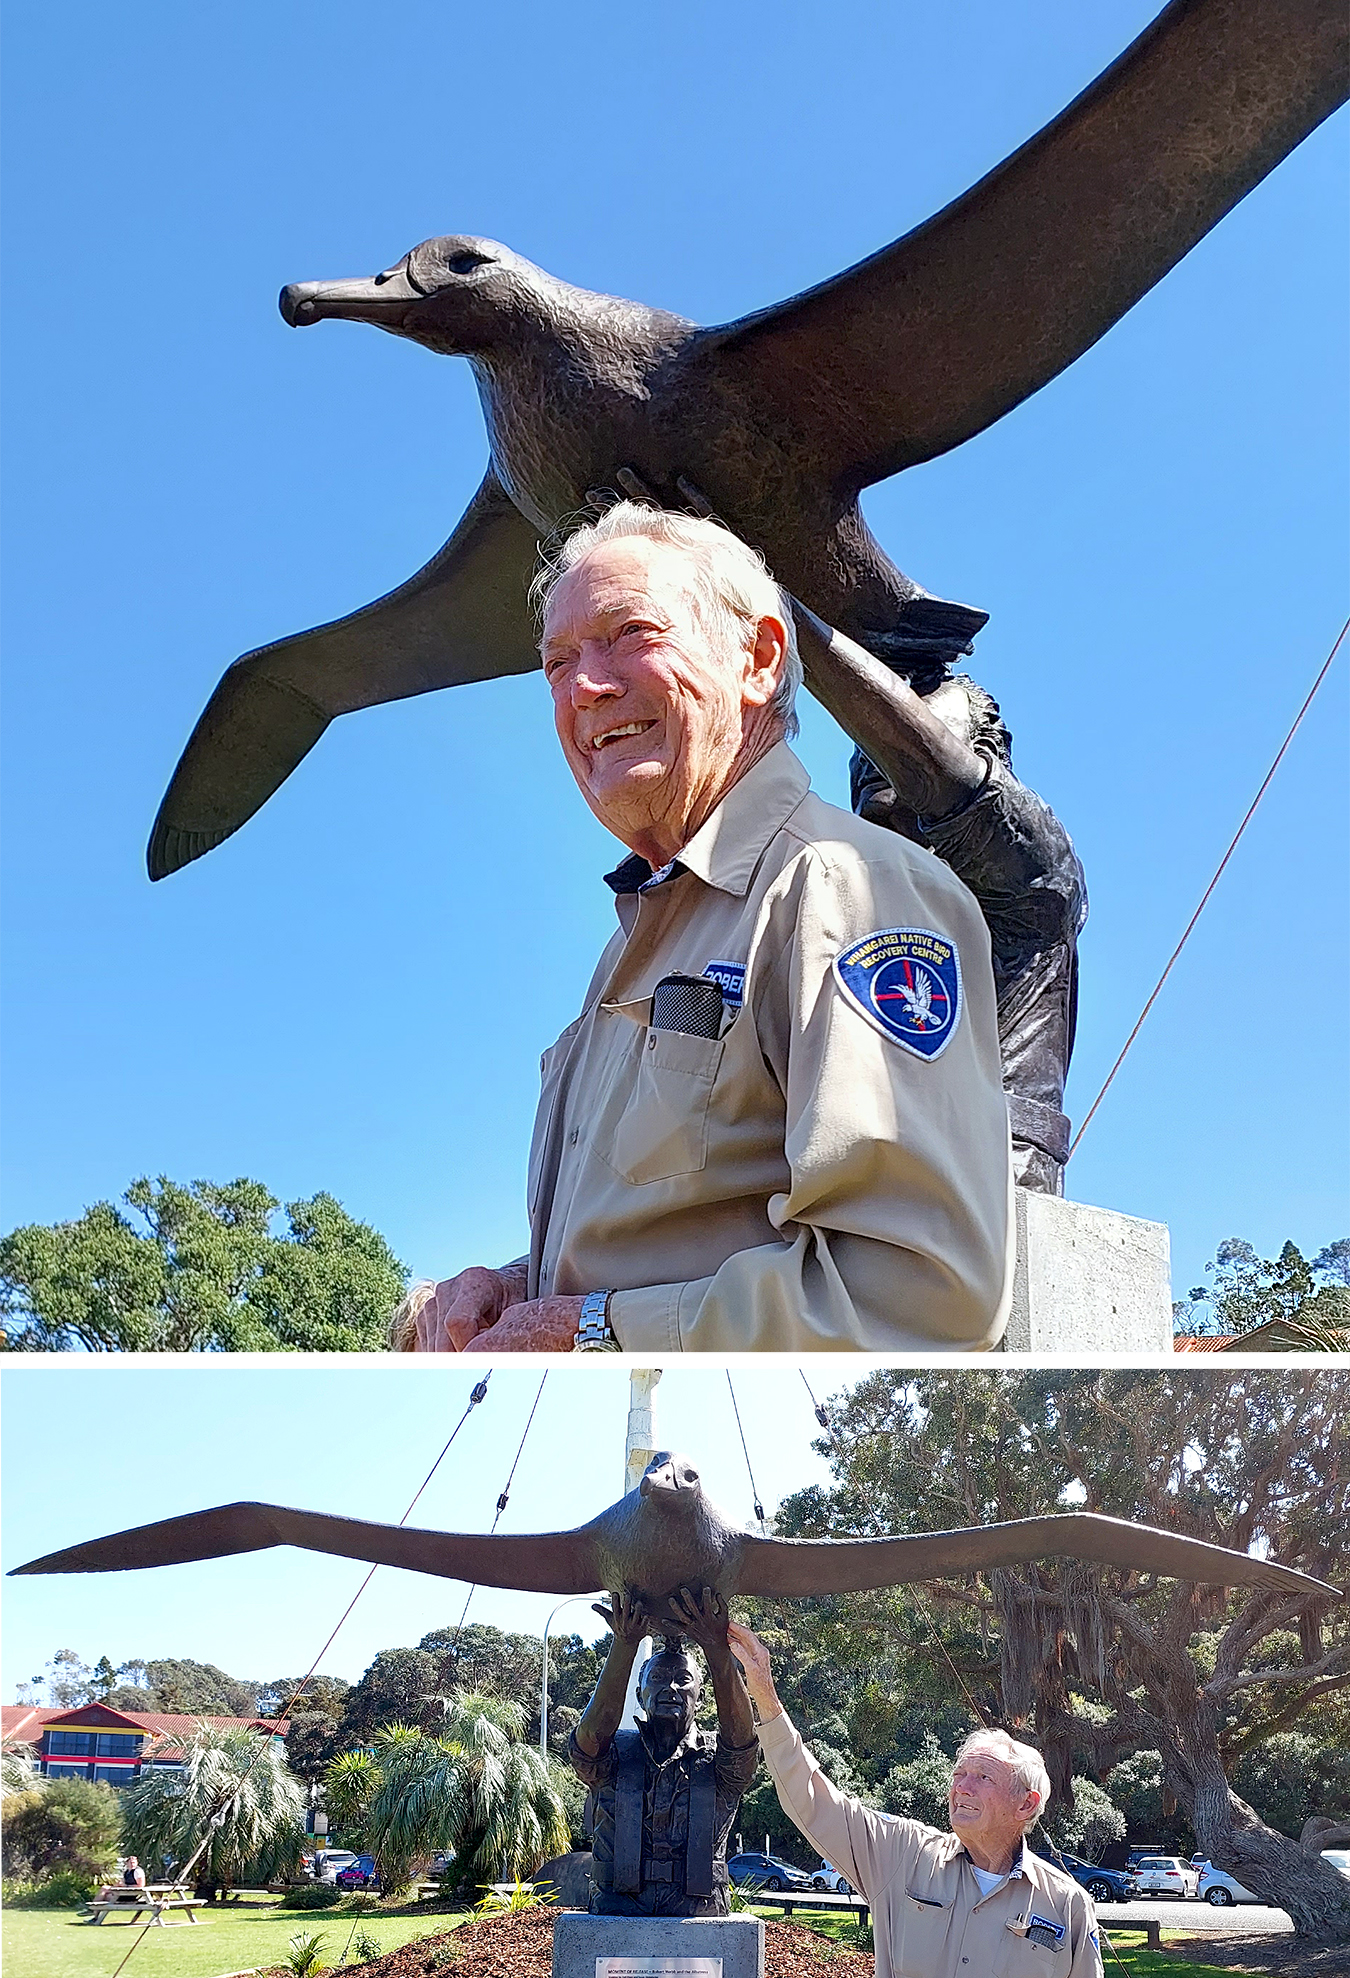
[(365, 1947), (67, 1888), (70, 1823), (312, 1895)]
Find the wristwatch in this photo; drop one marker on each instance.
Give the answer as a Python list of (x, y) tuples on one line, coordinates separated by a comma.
[(595, 1334)]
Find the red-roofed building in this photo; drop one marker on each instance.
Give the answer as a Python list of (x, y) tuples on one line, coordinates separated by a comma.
[(93, 1741)]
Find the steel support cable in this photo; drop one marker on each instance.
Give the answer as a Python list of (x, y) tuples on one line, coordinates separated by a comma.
[(822, 1415), (754, 1489), (1204, 898), (502, 1503), (213, 1819)]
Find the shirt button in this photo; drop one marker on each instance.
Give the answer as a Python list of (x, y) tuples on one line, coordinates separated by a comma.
[(651, 1043), (574, 1136)]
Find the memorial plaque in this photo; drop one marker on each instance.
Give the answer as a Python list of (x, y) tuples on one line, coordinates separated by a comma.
[(658, 1967)]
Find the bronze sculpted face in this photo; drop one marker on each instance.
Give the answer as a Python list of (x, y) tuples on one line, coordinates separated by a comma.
[(669, 1690)]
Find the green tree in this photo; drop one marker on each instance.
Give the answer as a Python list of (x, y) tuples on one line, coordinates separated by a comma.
[(236, 1793), (198, 1269), (918, 1790), (1096, 1664), (1087, 1824), (181, 1687), (1246, 1291), (476, 1790), (68, 1824)]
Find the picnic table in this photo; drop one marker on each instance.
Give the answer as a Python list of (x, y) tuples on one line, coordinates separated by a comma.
[(146, 1906)]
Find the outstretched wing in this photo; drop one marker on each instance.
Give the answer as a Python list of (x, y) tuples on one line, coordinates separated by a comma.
[(928, 342), (543, 1562), (463, 617), (852, 1565)]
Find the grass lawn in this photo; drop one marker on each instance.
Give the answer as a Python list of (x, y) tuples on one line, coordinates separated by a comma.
[(1127, 1944), (54, 1943)]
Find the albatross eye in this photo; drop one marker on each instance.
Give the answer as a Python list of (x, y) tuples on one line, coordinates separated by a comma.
[(464, 264)]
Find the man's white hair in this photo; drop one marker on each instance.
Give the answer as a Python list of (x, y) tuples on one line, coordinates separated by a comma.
[(1028, 1767), (732, 585)]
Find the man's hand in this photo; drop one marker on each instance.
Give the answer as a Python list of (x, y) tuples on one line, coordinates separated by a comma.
[(541, 1325), (753, 1657), (703, 1617), (461, 1307), (625, 1617)]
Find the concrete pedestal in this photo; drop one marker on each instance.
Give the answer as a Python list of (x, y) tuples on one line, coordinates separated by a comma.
[(658, 1947), (1088, 1281)]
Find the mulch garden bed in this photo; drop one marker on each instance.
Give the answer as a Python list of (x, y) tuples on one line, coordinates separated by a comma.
[(1279, 1956), (521, 1946)]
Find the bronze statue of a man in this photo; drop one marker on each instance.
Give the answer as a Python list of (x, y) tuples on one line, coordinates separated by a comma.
[(664, 1797)]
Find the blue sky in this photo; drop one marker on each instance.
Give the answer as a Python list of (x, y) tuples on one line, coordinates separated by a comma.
[(352, 994), (118, 1446)]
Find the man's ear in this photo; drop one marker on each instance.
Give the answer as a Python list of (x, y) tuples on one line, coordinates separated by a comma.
[(764, 662)]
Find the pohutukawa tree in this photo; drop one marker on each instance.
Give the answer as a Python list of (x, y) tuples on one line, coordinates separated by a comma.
[(1092, 1663)]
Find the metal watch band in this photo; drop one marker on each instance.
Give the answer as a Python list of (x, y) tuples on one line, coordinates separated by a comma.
[(594, 1334)]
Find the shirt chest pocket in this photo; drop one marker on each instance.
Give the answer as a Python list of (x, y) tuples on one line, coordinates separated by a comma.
[(1019, 1957), (923, 1937), (662, 1129)]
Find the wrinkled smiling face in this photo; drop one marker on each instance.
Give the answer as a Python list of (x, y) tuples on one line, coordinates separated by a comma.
[(649, 712), (669, 1693)]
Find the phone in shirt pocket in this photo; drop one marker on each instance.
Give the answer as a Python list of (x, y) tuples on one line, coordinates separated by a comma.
[(662, 1132)]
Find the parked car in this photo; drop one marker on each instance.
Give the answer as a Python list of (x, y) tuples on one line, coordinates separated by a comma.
[(1166, 1875), (828, 1877), (765, 1871), (358, 1874), (1339, 1859), (1102, 1884), (1222, 1890), (327, 1862)]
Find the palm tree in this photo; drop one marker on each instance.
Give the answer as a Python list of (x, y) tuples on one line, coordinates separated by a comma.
[(477, 1791), (233, 1791)]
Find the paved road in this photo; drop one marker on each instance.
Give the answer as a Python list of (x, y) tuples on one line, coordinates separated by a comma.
[(1247, 1917)]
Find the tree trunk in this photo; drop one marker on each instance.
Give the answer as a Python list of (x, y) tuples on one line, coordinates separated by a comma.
[(1272, 1865)]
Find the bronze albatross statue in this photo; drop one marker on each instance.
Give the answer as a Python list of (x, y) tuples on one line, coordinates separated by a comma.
[(666, 1534), (782, 418)]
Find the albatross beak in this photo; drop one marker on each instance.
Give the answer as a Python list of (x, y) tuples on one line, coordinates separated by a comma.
[(382, 299)]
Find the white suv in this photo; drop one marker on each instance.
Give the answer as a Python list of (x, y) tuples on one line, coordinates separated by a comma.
[(1222, 1890)]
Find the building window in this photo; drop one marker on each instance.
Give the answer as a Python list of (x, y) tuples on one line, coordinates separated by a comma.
[(68, 1771), (118, 1744), (72, 1744), (115, 1775)]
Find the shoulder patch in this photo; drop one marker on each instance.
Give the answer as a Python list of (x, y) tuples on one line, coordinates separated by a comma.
[(906, 981), (731, 975)]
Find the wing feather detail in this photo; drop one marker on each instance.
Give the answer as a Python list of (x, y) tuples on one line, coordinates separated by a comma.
[(802, 1567), (540, 1562), (464, 616), (926, 343)]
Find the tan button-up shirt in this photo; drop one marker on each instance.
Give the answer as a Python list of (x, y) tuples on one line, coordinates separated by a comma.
[(929, 1917), (804, 1181)]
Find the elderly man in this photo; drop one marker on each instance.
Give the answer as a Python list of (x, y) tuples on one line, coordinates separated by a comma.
[(955, 1905), (824, 1163)]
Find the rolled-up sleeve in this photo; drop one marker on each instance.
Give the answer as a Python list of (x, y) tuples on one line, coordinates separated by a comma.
[(897, 1223)]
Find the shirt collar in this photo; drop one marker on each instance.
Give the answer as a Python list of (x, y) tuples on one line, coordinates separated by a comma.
[(729, 844), (1019, 1869)]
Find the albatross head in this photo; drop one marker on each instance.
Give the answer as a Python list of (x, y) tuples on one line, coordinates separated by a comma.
[(451, 295)]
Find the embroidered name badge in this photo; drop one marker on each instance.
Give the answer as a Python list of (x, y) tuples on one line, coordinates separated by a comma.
[(907, 982), (731, 975), (1043, 1930)]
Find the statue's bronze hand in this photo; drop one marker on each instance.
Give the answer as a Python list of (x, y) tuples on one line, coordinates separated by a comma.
[(625, 1617), (702, 1616)]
